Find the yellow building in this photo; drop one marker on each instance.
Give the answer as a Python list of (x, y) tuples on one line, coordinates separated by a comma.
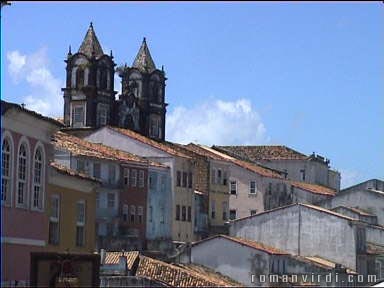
[(71, 208)]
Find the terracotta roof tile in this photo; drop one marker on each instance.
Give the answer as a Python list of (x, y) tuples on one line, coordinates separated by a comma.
[(314, 188), (5, 106), (356, 210), (113, 257), (246, 242), (173, 275), (262, 152), (148, 141), (82, 147), (64, 170), (373, 248), (214, 154)]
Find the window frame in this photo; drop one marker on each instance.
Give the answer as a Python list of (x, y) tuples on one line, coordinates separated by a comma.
[(24, 205), (8, 200), (232, 182), (252, 190), (54, 220), (41, 184)]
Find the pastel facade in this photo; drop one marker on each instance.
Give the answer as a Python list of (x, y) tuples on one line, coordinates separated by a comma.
[(71, 208), (26, 152), (181, 169)]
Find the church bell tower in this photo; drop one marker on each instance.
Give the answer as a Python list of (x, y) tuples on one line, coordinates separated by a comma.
[(141, 105), (89, 94)]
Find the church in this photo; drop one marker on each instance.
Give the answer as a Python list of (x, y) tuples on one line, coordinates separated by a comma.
[(90, 99)]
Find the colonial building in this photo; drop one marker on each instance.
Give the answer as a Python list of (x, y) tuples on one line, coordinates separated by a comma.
[(181, 169), (26, 152), (308, 230), (71, 208), (89, 96), (297, 166), (122, 200)]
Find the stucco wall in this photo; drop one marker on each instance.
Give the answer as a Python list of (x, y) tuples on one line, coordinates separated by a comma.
[(238, 262), (370, 201), (321, 234)]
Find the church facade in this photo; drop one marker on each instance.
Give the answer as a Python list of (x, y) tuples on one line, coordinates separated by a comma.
[(90, 98)]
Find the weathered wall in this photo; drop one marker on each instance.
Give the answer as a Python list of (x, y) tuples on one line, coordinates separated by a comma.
[(236, 261), (321, 234), (367, 200)]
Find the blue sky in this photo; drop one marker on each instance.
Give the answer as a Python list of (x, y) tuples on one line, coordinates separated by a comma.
[(305, 75)]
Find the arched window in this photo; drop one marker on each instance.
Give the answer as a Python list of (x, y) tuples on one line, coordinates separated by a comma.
[(38, 177), (22, 177), (6, 155), (79, 78), (103, 79)]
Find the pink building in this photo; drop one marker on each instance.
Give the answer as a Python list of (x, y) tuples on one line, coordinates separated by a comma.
[(26, 152)]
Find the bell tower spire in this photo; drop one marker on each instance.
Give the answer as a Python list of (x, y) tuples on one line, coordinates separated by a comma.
[(89, 94)]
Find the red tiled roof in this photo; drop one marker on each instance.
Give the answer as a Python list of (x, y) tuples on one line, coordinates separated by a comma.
[(356, 210), (314, 188), (300, 204), (148, 141), (113, 258), (209, 152), (246, 242), (262, 152), (5, 106), (173, 275), (82, 147), (64, 170)]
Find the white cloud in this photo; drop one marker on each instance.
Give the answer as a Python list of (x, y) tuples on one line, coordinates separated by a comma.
[(349, 178), (45, 94), (216, 122)]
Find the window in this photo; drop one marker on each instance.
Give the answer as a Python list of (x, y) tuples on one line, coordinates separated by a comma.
[(38, 173), (163, 180), (133, 214), (178, 178), (252, 187), (150, 214), (155, 130), (80, 165), (102, 114), (219, 176), (126, 176), (225, 178), (97, 200), (79, 78), (232, 214), (78, 115), (190, 180), (185, 176), (133, 177), (53, 235), (140, 214), (233, 188), (80, 223), (253, 212), (6, 153), (302, 172), (189, 214), (183, 213), (141, 178), (213, 209), (111, 200), (125, 212), (103, 79), (111, 173), (178, 212), (213, 176), (22, 176), (162, 215), (225, 210), (96, 170), (152, 181)]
